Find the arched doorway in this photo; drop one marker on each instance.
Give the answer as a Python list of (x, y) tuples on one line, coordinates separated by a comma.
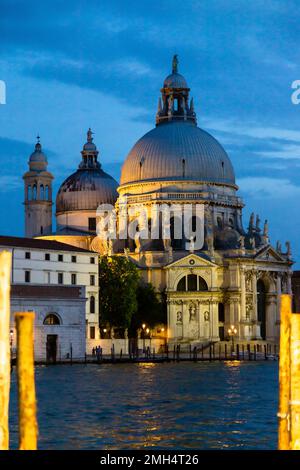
[(52, 319), (221, 318), (261, 307)]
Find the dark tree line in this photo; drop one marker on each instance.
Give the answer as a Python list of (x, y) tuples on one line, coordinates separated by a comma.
[(125, 300)]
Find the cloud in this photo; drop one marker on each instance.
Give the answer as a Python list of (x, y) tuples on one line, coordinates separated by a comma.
[(271, 188), (284, 152), (10, 183), (252, 130)]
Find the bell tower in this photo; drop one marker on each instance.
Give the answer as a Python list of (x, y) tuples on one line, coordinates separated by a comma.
[(38, 195)]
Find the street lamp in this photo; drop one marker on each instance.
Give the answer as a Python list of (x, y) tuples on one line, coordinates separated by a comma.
[(143, 328), (232, 331)]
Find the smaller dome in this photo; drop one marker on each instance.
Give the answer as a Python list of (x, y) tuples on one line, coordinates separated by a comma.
[(86, 190), (175, 80), (89, 146), (38, 160)]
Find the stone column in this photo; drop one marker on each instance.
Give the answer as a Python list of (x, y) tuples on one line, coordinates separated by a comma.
[(271, 307), (214, 320), (243, 294)]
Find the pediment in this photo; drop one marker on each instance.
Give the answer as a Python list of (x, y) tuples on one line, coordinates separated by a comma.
[(269, 254), (191, 260)]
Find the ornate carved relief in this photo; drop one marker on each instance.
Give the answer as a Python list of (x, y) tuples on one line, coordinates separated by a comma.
[(249, 306)]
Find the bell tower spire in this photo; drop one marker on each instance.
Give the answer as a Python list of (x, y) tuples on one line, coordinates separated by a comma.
[(38, 194), (175, 98)]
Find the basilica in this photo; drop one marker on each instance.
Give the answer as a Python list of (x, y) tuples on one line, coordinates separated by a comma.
[(234, 279)]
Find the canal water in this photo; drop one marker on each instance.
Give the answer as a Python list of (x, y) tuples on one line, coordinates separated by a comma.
[(230, 405)]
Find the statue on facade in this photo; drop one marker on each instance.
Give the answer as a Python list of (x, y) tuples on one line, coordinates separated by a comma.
[(241, 242), (179, 317), (278, 247), (252, 243), (192, 310), (251, 223), (206, 316), (266, 233), (257, 224)]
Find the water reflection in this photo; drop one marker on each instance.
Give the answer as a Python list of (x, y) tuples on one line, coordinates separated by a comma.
[(228, 405)]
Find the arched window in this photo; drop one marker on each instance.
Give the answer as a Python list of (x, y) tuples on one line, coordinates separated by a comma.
[(92, 304), (47, 193), (191, 283), (202, 286), (34, 192), (29, 192), (52, 319), (181, 286), (42, 192)]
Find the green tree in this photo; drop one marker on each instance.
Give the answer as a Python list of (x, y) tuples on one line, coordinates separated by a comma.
[(151, 308), (118, 282)]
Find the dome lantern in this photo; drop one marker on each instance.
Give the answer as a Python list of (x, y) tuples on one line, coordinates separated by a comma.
[(175, 98), (89, 154)]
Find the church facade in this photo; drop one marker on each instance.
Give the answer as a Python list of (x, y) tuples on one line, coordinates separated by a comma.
[(234, 278)]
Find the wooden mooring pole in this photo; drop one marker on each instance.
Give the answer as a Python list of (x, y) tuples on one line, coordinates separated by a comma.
[(28, 429), (5, 267), (284, 374), (295, 382)]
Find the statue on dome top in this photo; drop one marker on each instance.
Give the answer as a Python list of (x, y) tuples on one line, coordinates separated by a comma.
[(175, 64)]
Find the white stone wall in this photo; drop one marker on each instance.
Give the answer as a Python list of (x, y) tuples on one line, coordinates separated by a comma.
[(71, 331)]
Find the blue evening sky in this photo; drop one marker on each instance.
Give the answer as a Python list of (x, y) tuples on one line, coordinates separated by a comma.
[(70, 65)]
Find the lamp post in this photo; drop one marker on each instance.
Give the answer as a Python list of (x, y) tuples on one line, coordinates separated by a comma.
[(232, 331), (143, 328)]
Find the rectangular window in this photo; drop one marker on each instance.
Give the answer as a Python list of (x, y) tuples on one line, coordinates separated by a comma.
[(60, 257), (60, 278), (92, 224), (27, 255), (73, 279), (47, 275), (92, 260), (92, 332), (47, 256), (27, 276), (74, 259), (92, 280)]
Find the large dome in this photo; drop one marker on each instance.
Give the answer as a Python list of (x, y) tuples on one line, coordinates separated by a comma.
[(85, 190), (178, 150)]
